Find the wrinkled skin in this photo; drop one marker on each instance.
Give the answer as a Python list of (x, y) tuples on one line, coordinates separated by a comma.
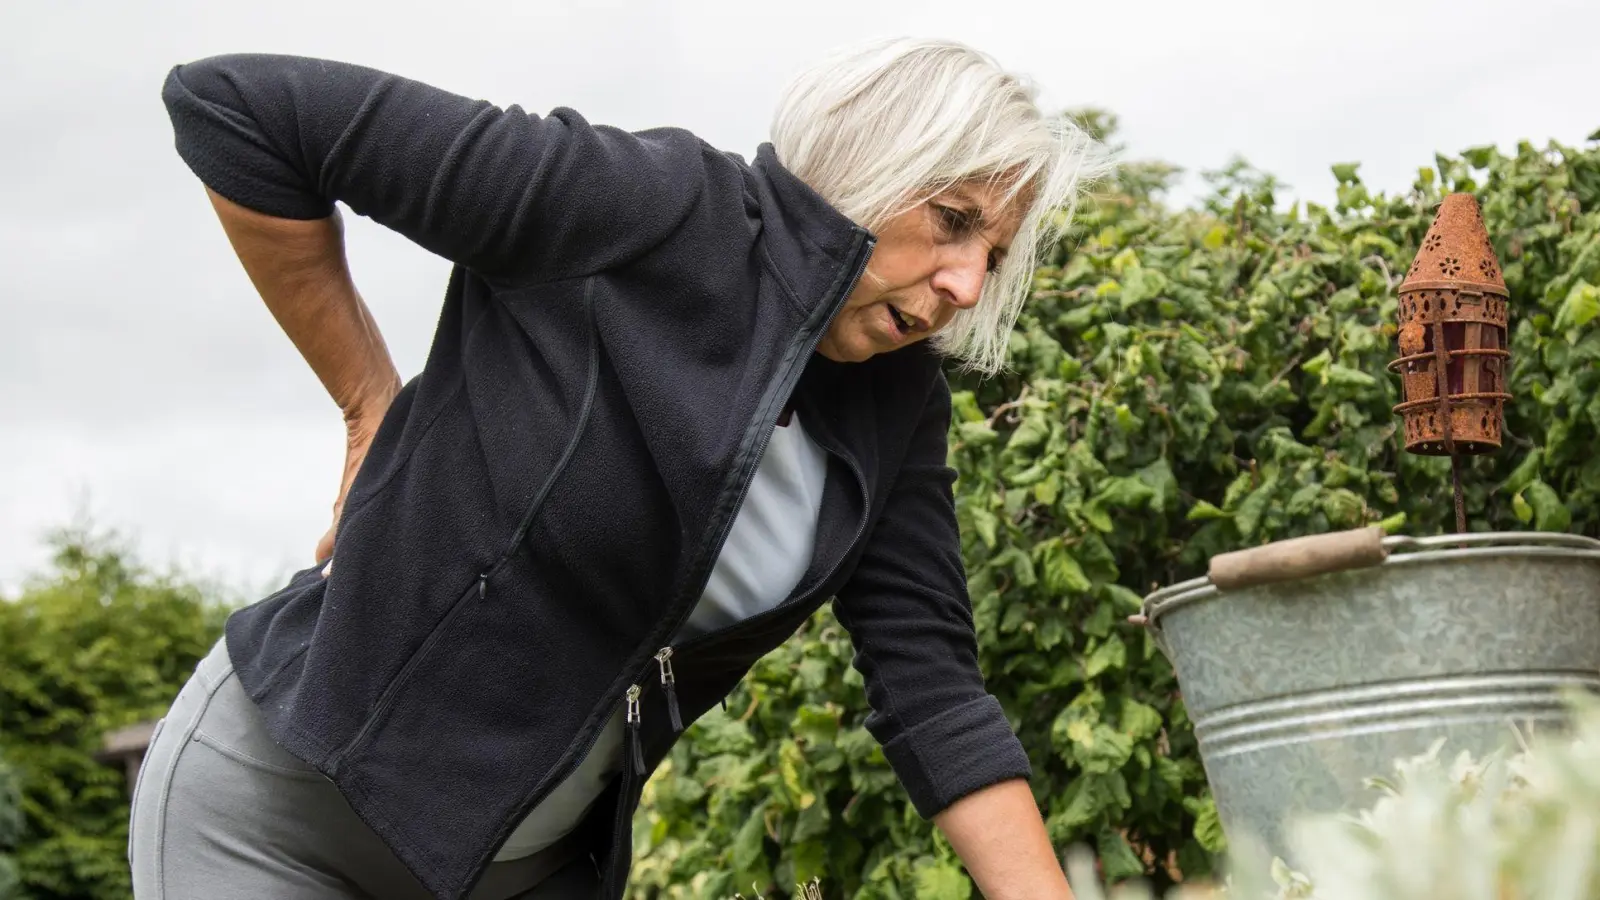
[(929, 263)]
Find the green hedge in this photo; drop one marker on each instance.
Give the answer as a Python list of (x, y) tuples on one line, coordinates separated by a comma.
[(1186, 382), (92, 646), (10, 830)]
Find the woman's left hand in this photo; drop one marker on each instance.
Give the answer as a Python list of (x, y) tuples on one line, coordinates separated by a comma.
[(1000, 836)]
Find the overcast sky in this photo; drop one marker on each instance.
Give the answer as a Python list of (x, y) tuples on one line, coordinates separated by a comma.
[(141, 379)]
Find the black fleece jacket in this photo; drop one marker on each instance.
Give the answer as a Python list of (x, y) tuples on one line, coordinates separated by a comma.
[(627, 316)]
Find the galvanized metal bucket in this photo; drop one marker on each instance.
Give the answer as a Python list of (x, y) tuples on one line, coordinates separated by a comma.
[(1315, 664)]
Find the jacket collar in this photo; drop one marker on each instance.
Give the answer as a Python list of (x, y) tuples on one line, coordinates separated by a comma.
[(811, 243)]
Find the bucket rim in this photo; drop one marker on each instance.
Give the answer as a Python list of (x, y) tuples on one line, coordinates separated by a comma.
[(1404, 550)]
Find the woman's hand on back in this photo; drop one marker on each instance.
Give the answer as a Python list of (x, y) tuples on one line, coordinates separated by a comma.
[(298, 267), (359, 428)]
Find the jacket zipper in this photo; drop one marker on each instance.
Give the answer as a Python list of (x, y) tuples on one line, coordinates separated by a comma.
[(789, 378), (632, 717), (617, 865), (631, 720), (669, 683), (664, 655)]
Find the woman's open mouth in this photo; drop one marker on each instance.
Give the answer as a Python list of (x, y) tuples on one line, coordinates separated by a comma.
[(903, 324)]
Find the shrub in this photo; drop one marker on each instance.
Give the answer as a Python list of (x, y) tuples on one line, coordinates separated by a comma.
[(1184, 382), (10, 830), (95, 645)]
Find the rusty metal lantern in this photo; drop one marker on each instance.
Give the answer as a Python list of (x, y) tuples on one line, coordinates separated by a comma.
[(1452, 320)]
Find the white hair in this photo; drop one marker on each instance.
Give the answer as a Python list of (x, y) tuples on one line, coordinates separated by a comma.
[(880, 129)]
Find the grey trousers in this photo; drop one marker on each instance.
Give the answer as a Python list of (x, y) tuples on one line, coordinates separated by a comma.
[(221, 812)]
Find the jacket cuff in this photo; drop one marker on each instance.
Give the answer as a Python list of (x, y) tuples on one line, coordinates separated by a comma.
[(955, 753)]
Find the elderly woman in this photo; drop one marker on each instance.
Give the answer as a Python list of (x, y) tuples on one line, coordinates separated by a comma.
[(675, 402)]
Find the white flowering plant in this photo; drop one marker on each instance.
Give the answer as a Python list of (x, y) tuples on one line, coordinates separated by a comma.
[(1523, 825)]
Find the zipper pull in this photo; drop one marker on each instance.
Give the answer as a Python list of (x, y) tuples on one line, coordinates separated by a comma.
[(483, 585), (670, 682), (633, 729)]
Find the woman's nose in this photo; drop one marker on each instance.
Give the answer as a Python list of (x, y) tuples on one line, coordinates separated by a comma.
[(960, 281)]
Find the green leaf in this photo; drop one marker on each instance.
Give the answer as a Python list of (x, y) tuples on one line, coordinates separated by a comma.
[(986, 523), (1138, 720), (1126, 493), (1021, 566), (1031, 433), (810, 858), (1304, 499), (939, 880), (1203, 510), (1579, 308), (1316, 365), (1123, 599), (1344, 508), (1062, 574), (748, 842), (1099, 623), (1250, 510), (1079, 318), (1031, 475), (1525, 472), (812, 822), (1086, 799), (1238, 489), (1163, 484), (1208, 827), (1117, 860), (1344, 376), (976, 434), (1549, 513), (1112, 654), (1346, 172), (964, 406), (1102, 750), (1519, 505)]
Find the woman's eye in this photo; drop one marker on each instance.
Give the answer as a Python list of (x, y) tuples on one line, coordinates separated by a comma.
[(955, 221)]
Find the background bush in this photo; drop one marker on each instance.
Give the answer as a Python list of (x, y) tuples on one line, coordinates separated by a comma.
[(1185, 382), (10, 830), (91, 646)]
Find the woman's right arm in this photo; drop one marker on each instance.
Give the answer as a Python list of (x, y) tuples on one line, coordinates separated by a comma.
[(279, 140), (298, 267), (503, 192)]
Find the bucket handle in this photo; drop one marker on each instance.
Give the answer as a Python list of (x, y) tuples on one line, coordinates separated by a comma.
[(1301, 557)]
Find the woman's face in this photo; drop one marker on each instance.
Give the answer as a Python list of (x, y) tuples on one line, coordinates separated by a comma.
[(930, 261)]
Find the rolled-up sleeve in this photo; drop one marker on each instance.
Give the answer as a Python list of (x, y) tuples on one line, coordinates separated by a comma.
[(910, 618)]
